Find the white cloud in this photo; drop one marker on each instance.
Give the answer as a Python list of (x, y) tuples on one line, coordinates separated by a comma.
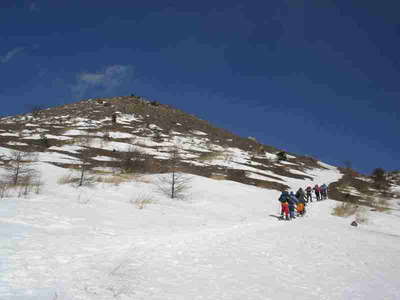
[(107, 80), (10, 54)]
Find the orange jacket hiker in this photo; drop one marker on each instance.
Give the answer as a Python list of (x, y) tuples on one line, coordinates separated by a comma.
[(300, 207)]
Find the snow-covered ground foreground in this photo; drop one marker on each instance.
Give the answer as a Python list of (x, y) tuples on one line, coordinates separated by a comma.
[(223, 242)]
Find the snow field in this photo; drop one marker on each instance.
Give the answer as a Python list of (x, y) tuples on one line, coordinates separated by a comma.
[(223, 242)]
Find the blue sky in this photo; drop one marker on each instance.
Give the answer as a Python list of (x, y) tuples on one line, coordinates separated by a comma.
[(319, 78)]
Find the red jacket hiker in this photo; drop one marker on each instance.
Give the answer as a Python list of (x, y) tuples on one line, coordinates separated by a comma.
[(285, 209)]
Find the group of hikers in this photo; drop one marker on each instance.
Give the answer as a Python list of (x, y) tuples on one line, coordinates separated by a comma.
[(293, 205)]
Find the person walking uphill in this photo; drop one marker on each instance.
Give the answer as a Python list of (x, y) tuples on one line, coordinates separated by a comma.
[(285, 210), (317, 192), (301, 205), (292, 201), (324, 191), (283, 199), (300, 194), (308, 194)]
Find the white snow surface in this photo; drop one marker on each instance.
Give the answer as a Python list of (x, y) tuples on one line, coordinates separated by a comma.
[(102, 158), (67, 148), (198, 132), (121, 135), (9, 134), (222, 242), (49, 136), (75, 132), (155, 127), (17, 144)]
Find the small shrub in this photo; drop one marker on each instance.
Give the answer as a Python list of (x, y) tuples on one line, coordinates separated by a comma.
[(281, 156), (44, 140), (67, 179), (115, 180), (141, 200), (76, 180), (344, 209), (38, 186), (361, 216)]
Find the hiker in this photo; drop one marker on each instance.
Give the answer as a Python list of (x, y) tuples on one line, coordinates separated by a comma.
[(301, 205), (308, 194), (292, 201), (282, 199), (317, 191), (285, 210), (300, 194), (324, 191)]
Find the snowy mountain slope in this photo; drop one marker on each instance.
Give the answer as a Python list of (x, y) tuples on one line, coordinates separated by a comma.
[(223, 242), (104, 131), (86, 128)]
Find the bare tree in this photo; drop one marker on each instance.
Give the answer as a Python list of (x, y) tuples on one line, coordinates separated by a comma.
[(84, 166), (20, 173), (18, 166), (176, 184), (38, 184), (4, 188)]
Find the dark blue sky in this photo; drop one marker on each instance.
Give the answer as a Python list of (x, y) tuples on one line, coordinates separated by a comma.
[(319, 77)]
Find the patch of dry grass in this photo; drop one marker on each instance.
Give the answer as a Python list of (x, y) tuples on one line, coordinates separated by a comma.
[(207, 156), (117, 179), (347, 209), (67, 179), (141, 200), (381, 209), (218, 177), (101, 172), (361, 215), (344, 209)]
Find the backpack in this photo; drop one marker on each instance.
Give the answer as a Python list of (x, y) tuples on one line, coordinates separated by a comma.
[(284, 197)]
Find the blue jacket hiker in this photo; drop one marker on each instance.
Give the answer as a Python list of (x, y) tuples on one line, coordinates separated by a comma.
[(283, 199), (292, 201), (284, 196), (324, 191)]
